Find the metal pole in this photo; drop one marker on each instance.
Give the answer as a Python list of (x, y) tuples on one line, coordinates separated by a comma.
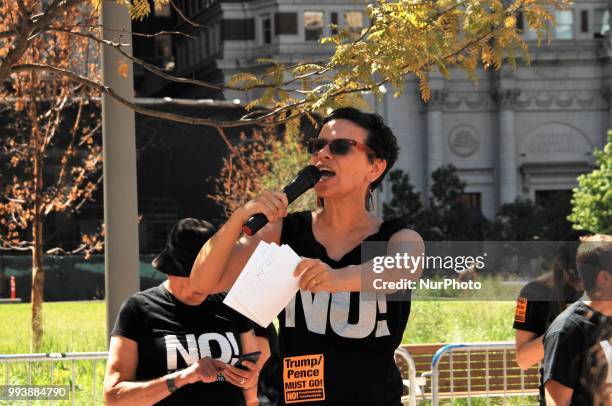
[(119, 142)]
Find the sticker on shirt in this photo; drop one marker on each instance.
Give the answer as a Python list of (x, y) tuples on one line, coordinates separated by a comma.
[(303, 378), (521, 310)]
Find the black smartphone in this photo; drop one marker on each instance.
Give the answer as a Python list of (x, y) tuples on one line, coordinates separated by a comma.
[(251, 356)]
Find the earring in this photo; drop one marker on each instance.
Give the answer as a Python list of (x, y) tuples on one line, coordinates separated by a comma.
[(369, 200), (320, 202)]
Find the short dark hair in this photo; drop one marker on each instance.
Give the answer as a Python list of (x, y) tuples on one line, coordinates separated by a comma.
[(380, 137), (594, 255)]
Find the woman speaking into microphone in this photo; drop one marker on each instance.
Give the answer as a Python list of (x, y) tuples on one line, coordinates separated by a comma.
[(335, 331)]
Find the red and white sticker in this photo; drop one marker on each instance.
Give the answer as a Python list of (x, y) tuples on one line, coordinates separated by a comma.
[(303, 379)]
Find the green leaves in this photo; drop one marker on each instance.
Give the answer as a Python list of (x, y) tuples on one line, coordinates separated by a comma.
[(592, 199)]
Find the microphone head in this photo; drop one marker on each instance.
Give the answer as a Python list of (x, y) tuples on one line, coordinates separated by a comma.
[(312, 173)]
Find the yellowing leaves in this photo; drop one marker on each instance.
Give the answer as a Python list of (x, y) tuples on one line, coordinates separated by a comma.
[(510, 22), (246, 80), (424, 88)]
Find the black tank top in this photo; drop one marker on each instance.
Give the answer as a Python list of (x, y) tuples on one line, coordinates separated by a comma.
[(348, 337)]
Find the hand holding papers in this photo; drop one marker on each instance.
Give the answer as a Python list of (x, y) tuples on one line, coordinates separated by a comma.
[(266, 284)]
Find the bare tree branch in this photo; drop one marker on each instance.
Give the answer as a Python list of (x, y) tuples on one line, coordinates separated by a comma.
[(53, 126), (124, 31), (146, 65), (61, 251), (10, 247), (182, 16), (155, 113), (161, 73)]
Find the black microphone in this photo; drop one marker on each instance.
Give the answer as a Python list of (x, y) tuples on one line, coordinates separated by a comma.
[(305, 179)]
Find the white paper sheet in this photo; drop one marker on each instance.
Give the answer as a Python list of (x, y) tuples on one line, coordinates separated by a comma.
[(266, 283)]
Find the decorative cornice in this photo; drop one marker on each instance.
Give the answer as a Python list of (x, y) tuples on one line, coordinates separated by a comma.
[(437, 99), (535, 100), (506, 98)]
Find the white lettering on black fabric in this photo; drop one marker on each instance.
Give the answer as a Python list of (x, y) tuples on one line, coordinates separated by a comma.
[(201, 348), (317, 309)]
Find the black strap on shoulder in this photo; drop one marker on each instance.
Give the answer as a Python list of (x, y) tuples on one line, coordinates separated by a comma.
[(390, 227), (295, 226)]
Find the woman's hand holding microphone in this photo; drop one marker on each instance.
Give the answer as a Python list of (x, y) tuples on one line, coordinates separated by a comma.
[(271, 204)]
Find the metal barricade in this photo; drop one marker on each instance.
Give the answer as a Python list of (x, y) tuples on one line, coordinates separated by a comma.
[(411, 382), (53, 359), (466, 362), (486, 364)]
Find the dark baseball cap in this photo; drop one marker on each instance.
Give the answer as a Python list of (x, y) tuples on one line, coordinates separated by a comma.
[(182, 246)]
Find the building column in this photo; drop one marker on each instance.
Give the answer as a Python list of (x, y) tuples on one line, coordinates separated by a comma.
[(607, 95), (121, 251), (507, 160), (435, 143)]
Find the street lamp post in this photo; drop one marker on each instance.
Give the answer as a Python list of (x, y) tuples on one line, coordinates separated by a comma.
[(122, 276)]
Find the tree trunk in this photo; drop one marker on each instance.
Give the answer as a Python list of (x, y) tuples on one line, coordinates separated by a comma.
[(38, 274), (38, 282)]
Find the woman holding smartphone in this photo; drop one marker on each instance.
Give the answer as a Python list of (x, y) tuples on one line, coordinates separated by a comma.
[(334, 328), (173, 346)]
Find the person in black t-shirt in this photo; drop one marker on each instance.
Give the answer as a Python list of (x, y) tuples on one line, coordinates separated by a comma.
[(337, 337), (543, 299), (577, 367), (172, 345)]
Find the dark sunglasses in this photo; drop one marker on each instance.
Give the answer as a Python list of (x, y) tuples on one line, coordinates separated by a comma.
[(337, 146)]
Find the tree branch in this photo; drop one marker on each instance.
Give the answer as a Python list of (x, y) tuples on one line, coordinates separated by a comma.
[(21, 42), (87, 198), (19, 47), (54, 125), (61, 251), (155, 113), (161, 73), (146, 65), (10, 247), (55, 10), (124, 31), (182, 16)]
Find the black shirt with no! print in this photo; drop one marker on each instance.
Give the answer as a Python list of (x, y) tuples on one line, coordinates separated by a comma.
[(172, 335)]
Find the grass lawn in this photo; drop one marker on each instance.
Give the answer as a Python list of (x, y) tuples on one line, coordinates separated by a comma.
[(81, 327), (67, 326), (459, 321)]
